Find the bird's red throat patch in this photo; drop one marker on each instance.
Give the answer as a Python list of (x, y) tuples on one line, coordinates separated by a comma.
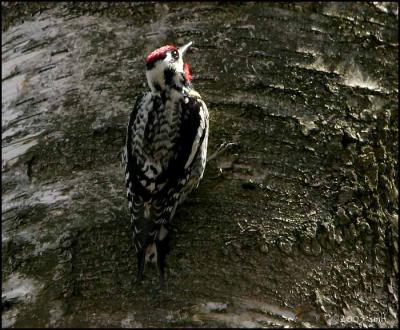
[(188, 75)]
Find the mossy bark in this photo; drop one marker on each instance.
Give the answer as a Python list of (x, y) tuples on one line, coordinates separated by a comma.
[(295, 224)]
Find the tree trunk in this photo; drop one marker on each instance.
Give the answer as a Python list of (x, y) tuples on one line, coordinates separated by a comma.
[(295, 224)]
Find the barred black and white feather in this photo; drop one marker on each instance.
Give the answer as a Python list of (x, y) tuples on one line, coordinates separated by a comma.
[(165, 153)]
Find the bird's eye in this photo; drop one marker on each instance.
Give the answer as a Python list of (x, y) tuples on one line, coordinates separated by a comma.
[(175, 54)]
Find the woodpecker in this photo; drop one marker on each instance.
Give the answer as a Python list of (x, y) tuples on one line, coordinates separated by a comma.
[(165, 152)]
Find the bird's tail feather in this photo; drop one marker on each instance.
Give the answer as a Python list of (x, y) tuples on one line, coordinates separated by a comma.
[(150, 237)]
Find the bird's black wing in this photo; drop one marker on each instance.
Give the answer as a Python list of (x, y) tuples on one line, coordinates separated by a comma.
[(133, 172), (192, 134), (173, 178)]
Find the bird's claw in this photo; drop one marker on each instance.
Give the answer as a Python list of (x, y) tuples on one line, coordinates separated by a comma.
[(221, 148)]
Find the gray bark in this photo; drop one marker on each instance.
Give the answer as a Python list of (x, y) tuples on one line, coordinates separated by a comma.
[(296, 224)]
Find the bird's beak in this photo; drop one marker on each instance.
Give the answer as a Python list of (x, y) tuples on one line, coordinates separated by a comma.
[(183, 49)]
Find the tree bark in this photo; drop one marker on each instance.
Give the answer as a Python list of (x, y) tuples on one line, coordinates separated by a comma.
[(295, 224)]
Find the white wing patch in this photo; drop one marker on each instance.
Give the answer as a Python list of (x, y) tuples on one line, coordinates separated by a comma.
[(202, 126)]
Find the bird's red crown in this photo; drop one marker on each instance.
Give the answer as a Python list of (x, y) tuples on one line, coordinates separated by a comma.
[(159, 53)]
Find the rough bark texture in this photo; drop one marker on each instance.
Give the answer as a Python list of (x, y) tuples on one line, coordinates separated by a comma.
[(294, 225)]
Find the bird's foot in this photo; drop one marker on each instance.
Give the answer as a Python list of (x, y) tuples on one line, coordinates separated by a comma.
[(221, 148)]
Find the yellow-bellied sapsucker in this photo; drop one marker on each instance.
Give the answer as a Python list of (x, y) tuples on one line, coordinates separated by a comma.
[(165, 152)]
